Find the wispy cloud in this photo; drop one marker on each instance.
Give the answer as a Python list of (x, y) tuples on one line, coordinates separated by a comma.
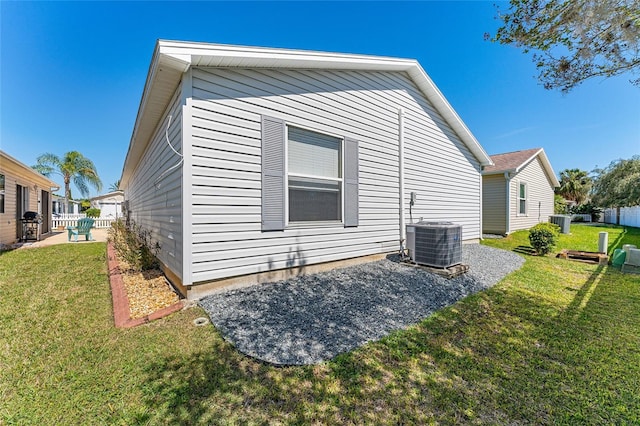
[(514, 132), (585, 127)]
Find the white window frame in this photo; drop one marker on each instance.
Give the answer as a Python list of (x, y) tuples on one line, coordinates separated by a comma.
[(525, 199), (287, 223)]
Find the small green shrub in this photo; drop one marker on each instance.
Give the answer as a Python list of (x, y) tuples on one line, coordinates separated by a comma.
[(92, 212), (134, 246), (587, 208), (559, 205), (543, 237)]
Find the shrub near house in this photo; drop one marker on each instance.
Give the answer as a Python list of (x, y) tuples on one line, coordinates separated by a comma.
[(543, 237), (92, 212)]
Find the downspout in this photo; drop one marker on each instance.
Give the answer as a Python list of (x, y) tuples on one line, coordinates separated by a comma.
[(401, 177), (508, 202), (480, 209)]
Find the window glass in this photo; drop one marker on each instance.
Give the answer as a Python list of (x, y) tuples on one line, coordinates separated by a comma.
[(314, 176), (522, 199), (313, 154)]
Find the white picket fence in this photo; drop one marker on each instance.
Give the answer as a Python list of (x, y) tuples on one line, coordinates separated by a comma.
[(629, 216), (62, 221)]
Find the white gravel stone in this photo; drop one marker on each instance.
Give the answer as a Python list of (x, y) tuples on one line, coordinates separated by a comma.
[(313, 318)]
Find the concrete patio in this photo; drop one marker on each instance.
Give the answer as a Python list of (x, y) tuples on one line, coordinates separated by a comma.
[(60, 237)]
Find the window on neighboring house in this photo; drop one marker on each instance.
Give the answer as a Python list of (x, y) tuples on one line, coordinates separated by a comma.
[(522, 198), (1, 193), (314, 176)]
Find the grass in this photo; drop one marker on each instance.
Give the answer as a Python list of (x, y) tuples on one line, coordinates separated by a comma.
[(557, 342)]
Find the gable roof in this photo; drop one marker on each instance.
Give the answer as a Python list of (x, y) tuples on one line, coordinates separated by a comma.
[(172, 58), (513, 162), (112, 194), (7, 162)]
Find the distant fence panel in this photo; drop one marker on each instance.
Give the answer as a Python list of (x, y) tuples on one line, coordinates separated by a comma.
[(101, 222), (609, 215), (629, 216), (583, 217)]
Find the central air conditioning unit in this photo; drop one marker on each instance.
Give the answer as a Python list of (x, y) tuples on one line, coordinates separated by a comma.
[(563, 221), (435, 244), (632, 260)]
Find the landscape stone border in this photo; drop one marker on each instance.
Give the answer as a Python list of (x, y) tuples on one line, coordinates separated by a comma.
[(121, 311)]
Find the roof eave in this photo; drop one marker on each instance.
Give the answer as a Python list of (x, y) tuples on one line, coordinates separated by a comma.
[(498, 172), (29, 170), (173, 58), (545, 164), (175, 65), (432, 92)]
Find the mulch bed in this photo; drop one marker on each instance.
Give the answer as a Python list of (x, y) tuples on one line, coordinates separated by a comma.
[(138, 297)]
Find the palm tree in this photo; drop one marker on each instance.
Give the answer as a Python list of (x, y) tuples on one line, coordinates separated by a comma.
[(575, 185), (73, 166), (115, 186)]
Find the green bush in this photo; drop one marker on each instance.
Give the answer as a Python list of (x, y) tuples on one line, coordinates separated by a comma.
[(587, 208), (134, 246), (543, 237), (92, 212), (559, 205)]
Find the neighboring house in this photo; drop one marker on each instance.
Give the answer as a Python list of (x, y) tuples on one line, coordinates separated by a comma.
[(22, 189), (244, 161), (72, 207), (517, 191), (110, 204)]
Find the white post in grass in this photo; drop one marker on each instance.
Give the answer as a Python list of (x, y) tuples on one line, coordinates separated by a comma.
[(603, 242)]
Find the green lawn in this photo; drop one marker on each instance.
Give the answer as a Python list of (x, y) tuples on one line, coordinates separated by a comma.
[(557, 342)]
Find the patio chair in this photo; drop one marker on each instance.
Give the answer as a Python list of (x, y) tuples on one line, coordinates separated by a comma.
[(84, 228)]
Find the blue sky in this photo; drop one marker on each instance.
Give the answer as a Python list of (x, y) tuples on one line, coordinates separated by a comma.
[(72, 73)]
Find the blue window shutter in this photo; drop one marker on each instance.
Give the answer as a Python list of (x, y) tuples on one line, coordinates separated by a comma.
[(351, 182), (273, 174)]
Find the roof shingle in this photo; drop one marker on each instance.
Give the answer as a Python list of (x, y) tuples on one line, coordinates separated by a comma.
[(510, 160)]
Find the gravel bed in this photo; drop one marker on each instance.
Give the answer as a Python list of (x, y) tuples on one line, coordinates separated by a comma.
[(313, 318)]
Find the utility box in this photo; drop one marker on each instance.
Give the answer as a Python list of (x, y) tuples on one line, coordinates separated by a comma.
[(563, 221), (435, 244)]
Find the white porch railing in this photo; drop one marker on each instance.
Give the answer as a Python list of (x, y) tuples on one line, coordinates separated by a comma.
[(101, 222)]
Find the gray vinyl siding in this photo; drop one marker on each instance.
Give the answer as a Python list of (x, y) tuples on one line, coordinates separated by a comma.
[(226, 184), (539, 196), (494, 204), (155, 195)]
